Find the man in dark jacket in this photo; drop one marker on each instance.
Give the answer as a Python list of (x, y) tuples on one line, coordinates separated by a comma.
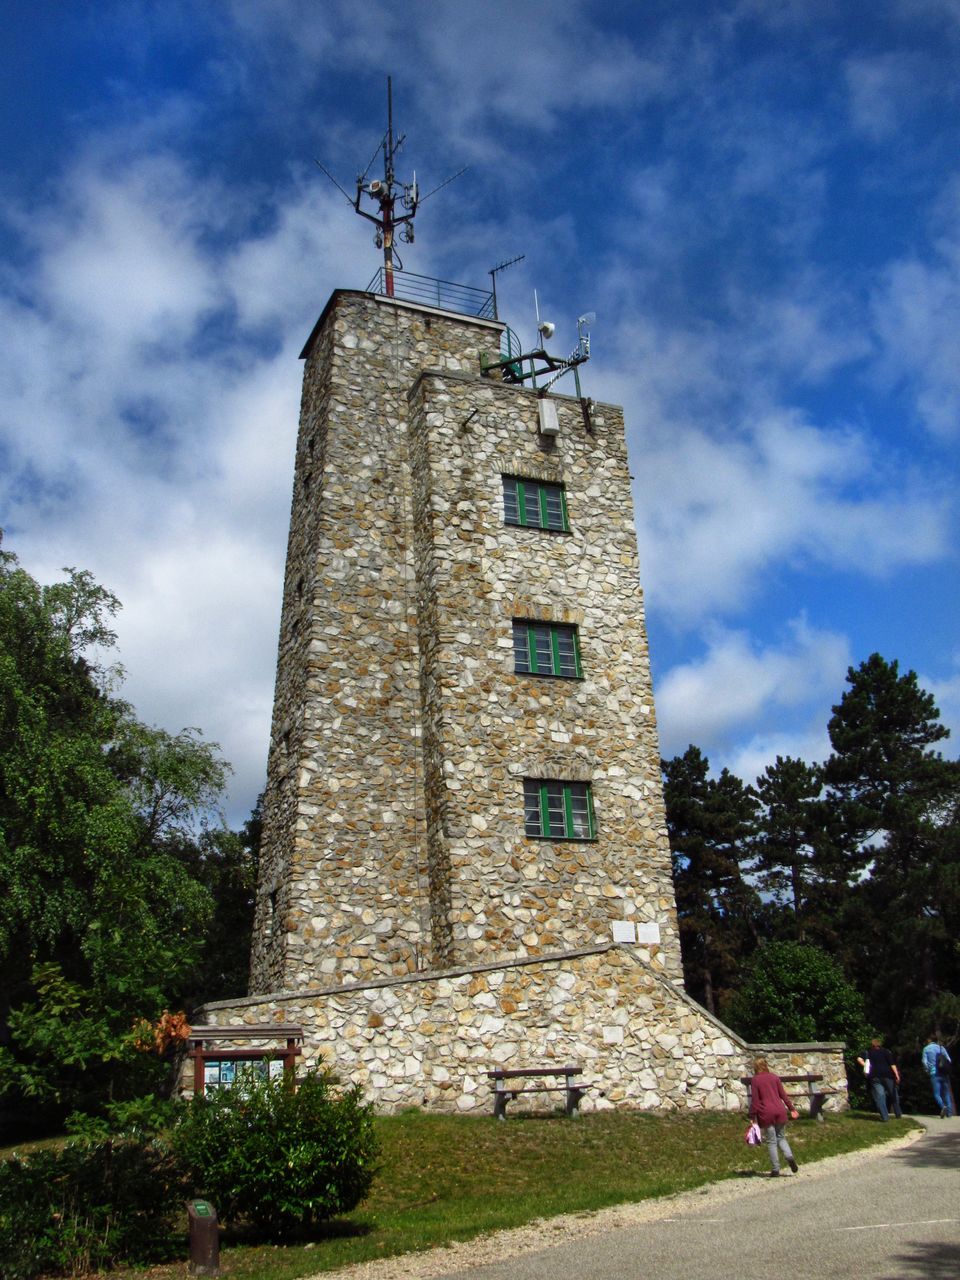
[(884, 1079)]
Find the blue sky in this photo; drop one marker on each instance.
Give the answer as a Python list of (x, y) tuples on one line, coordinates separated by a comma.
[(760, 200)]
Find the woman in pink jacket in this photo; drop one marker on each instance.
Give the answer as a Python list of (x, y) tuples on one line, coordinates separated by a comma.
[(769, 1106)]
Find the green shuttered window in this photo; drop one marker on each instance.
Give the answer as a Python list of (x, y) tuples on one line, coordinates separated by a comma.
[(546, 649), (535, 504), (558, 810)]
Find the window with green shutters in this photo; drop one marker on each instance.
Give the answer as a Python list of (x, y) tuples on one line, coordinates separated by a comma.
[(546, 649), (558, 810), (535, 504)]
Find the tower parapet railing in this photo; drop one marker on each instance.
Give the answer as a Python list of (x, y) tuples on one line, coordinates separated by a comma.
[(445, 295)]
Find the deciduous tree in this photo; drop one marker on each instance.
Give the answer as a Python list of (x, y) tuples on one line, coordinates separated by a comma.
[(794, 992), (99, 917)]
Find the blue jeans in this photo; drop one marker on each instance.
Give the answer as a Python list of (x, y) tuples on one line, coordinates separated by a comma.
[(941, 1093), (776, 1137), (885, 1091)]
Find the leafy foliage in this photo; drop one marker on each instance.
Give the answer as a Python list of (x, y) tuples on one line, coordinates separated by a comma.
[(86, 1207), (225, 863), (898, 803), (794, 992), (278, 1156), (792, 833), (72, 1051), (101, 918)]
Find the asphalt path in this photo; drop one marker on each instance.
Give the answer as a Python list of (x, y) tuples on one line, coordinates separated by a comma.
[(895, 1216)]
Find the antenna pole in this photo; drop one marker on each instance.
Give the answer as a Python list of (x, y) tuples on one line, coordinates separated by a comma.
[(389, 153), (386, 201), (385, 194), (501, 266)]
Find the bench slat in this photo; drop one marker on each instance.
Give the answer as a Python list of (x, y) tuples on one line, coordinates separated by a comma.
[(504, 1073)]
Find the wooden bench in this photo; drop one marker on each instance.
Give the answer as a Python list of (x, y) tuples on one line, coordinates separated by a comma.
[(504, 1092), (814, 1097)]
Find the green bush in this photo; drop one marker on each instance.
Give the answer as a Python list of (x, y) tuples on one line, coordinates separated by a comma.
[(86, 1207), (794, 991), (276, 1155)]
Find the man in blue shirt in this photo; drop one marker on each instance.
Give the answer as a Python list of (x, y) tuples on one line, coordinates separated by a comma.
[(936, 1063)]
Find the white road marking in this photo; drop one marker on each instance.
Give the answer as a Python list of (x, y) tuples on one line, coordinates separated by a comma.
[(918, 1222)]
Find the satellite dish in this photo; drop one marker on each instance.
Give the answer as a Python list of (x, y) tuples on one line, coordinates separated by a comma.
[(546, 329), (589, 318), (375, 187)]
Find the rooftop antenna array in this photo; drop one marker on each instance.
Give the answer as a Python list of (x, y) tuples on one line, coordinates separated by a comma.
[(531, 365), (386, 193), (579, 355)]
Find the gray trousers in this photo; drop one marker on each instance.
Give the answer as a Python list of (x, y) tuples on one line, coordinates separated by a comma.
[(776, 1136)]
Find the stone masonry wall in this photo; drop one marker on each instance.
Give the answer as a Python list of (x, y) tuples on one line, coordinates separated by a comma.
[(276, 898), (343, 889), (496, 892), (404, 918), (428, 1040)]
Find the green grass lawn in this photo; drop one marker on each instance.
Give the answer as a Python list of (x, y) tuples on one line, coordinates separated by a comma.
[(446, 1178)]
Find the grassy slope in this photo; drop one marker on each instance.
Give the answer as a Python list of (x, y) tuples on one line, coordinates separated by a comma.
[(447, 1178)]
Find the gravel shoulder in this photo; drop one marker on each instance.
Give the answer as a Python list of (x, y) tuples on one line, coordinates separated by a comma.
[(544, 1233)]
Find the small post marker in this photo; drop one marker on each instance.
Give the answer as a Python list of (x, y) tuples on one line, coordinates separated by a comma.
[(204, 1238)]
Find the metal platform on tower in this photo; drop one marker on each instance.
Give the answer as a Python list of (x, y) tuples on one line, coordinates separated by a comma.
[(445, 295)]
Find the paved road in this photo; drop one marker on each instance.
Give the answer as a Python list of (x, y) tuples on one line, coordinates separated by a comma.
[(894, 1217)]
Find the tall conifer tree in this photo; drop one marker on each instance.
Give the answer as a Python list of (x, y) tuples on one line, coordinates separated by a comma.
[(711, 823), (897, 802)]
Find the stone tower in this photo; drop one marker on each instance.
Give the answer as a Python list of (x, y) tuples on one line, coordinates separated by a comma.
[(464, 764), (464, 860)]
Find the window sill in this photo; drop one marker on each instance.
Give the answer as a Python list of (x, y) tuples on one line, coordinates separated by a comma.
[(564, 839)]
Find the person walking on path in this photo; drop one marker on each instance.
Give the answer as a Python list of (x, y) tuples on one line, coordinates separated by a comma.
[(936, 1063), (884, 1079), (769, 1106)]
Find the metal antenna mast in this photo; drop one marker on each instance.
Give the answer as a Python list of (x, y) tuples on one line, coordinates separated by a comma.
[(385, 193)]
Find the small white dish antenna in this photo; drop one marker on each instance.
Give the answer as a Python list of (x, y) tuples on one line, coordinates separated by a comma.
[(545, 328)]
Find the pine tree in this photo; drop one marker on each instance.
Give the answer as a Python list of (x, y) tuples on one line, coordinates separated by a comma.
[(791, 833), (710, 823), (897, 801)]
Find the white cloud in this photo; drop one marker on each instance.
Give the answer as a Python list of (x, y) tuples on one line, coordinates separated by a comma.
[(716, 511), (521, 64), (749, 760), (739, 685), (916, 312), (802, 332), (148, 427), (120, 256), (884, 88), (946, 694)]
